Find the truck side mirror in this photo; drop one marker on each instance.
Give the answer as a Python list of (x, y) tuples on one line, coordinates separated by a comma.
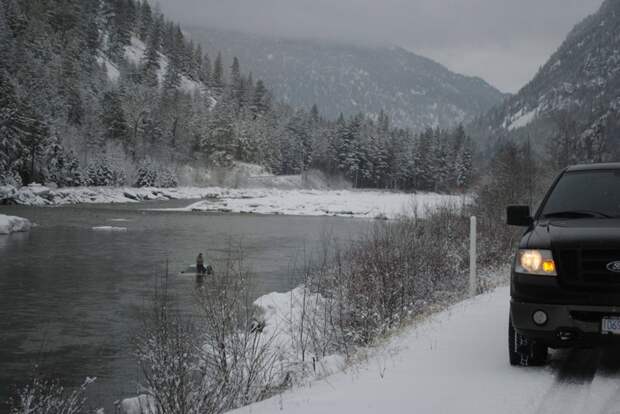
[(518, 216)]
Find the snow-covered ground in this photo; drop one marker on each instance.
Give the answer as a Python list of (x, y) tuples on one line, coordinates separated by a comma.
[(457, 362), (13, 224), (135, 52), (521, 119), (348, 203)]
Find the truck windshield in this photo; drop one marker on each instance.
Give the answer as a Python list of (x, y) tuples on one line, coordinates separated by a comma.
[(585, 194)]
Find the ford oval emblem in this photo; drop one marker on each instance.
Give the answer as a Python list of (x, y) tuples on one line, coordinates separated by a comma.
[(614, 266)]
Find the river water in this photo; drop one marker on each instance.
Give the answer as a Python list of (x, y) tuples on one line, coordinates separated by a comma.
[(70, 296)]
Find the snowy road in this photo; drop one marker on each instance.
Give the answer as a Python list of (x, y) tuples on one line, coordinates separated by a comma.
[(457, 362)]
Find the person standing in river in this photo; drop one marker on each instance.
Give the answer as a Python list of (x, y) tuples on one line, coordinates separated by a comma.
[(200, 265)]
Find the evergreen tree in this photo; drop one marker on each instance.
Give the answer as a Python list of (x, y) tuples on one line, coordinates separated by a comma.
[(150, 64), (205, 70), (113, 119), (145, 21), (22, 133), (146, 176), (11, 125), (219, 144), (196, 70), (217, 78), (261, 102)]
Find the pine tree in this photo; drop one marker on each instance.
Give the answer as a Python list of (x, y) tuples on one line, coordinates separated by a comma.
[(150, 64), (55, 161), (145, 20), (196, 69), (146, 176), (7, 43), (463, 166), (100, 173), (236, 83), (423, 161), (261, 102), (69, 88), (350, 151), (120, 21), (172, 78), (73, 176), (22, 133), (220, 141), (205, 70), (113, 119), (11, 144), (217, 78), (176, 62)]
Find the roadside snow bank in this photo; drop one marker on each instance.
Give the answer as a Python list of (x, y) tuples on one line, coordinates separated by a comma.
[(290, 319), (346, 203), (12, 224), (455, 361), (288, 328)]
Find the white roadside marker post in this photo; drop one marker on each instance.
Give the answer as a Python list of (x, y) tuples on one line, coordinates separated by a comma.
[(473, 284)]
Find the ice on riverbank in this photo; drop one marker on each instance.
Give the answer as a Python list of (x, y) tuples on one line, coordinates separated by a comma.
[(38, 195), (110, 229), (13, 224), (344, 203)]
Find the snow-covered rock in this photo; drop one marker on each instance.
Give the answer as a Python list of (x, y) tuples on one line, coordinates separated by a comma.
[(137, 405), (13, 224), (38, 189), (7, 193)]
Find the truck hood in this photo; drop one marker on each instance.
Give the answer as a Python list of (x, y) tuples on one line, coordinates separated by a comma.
[(573, 232)]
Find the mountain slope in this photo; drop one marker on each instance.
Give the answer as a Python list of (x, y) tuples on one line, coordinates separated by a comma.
[(414, 91), (576, 93)]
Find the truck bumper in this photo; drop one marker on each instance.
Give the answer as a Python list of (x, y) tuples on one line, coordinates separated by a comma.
[(566, 325)]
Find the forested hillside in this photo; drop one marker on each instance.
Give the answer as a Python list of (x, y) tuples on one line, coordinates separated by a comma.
[(414, 91), (110, 92), (570, 110)]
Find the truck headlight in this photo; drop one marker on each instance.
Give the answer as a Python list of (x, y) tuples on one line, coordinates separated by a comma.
[(535, 262)]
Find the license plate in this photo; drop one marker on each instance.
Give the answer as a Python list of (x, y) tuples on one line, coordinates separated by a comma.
[(611, 326)]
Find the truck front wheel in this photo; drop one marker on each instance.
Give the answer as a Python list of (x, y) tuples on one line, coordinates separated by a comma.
[(524, 351)]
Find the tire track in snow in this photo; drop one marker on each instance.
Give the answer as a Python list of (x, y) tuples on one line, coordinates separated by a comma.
[(570, 391), (607, 379)]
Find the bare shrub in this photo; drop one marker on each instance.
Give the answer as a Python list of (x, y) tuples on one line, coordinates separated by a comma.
[(166, 350), (43, 396), (357, 293), (235, 353), (209, 362)]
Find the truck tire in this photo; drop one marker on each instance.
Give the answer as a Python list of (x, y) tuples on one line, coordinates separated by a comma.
[(523, 351)]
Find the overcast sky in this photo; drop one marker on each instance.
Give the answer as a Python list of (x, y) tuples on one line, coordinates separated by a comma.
[(502, 41)]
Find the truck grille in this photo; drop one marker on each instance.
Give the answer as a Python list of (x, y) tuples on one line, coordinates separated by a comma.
[(588, 267)]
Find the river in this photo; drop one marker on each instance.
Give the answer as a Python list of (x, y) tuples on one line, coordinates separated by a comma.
[(70, 296)]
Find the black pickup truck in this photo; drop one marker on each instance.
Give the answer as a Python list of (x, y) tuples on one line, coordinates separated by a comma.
[(565, 281)]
